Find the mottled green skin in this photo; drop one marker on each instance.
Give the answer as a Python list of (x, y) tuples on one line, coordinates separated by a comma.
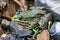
[(44, 20), (30, 13), (36, 31), (29, 17)]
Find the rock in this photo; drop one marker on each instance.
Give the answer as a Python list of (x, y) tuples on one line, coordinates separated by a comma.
[(2, 5), (55, 28), (1, 31), (44, 35), (1, 39), (49, 25), (10, 10), (3, 35), (18, 29), (29, 39), (6, 15), (8, 37)]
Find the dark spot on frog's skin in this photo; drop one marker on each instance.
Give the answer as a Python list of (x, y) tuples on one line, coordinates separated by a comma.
[(20, 17)]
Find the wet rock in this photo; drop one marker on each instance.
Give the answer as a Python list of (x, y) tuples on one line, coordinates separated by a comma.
[(1, 31), (44, 35), (7, 37), (6, 15), (10, 10), (2, 5), (1, 39), (3, 35), (29, 39), (18, 29)]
